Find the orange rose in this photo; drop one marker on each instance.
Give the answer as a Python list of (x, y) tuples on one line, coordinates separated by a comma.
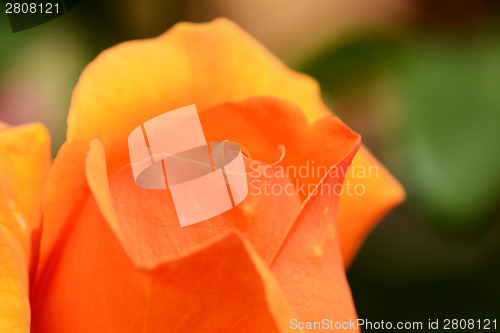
[(113, 258), (24, 164)]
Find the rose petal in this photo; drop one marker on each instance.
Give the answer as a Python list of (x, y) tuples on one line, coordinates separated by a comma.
[(24, 165), (25, 152), (14, 302), (309, 265), (357, 213)]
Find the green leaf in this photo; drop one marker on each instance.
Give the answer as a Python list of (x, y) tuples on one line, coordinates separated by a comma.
[(451, 99)]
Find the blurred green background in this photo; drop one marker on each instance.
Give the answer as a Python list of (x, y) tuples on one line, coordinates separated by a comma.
[(419, 80)]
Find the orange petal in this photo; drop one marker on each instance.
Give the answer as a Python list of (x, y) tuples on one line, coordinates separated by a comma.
[(24, 165), (357, 213), (309, 265), (221, 287), (14, 303)]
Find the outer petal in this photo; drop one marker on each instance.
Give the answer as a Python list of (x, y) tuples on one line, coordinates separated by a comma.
[(24, 163), (309, 265), (357, 213), (14, 302)]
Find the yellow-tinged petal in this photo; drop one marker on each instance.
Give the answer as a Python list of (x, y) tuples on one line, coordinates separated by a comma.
[(357, 213), (14, 286), (24, 164)]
